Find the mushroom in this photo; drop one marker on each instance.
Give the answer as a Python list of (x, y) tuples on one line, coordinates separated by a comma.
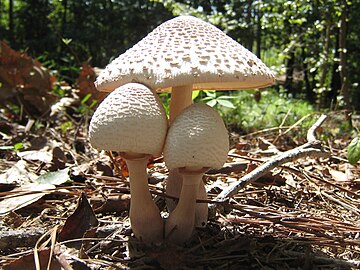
[(133, 121), (196, 141), (181, 55)]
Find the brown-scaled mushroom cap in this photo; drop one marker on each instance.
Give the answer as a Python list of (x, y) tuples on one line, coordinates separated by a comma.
[(130, 119), (186, 50)]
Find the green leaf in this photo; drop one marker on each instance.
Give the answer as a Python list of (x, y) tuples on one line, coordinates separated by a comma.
[(207, 98), (226, 103), (354, 151), (195, 94), (66, 126), (14, 147), (210, 93), (67, 41), (18, 146), (211, 103), (56, 178), (86, 98)]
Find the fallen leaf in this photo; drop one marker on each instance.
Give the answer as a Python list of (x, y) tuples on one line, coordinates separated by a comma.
[(86, 81), (77, 224), (26, 79), (338, 176), (24, 196), (55, 178), (34, 155), (18, 174), (28, 262)]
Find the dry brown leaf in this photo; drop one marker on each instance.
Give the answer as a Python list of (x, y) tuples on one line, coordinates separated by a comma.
[(18, 174), (26, 78), (28, 262), (28, 194), (86, 81), (79, 222)]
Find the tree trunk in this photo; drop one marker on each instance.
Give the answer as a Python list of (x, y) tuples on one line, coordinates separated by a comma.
[(258, 33), (310, 94), (62, 46), (344, 91), (248, 19), (64, 16), (289, 87), (325, 66), (327, 97), (11, 22), (335, 86)]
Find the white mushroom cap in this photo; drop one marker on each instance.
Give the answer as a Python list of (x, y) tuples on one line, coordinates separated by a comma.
[(197, 138), (130, 119), (184, 51)]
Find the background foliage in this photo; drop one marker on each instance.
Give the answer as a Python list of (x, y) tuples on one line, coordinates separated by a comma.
[(312, 45)]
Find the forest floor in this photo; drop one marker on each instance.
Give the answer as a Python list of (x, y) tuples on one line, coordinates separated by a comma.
[(302, 214)]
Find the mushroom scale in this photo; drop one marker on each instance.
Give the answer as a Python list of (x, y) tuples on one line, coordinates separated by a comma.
[(196, 141), (132, 121)]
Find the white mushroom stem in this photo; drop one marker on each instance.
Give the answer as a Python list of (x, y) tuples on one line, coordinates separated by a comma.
[(173, 188), (181, 97), (145, 218), (181, 222)]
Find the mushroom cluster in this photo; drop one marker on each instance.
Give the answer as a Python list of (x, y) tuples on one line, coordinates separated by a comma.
[(179, 56)]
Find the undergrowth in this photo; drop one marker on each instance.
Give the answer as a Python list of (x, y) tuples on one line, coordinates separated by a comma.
[(246, 111)]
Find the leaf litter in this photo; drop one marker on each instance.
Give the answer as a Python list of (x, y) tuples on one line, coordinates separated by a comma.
[(302, 213)]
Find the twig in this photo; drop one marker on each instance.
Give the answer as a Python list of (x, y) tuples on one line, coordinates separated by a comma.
[(311, 132), (290, 128), (310, 149)]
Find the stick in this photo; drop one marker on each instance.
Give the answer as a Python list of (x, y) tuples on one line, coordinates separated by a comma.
[(310, 149)]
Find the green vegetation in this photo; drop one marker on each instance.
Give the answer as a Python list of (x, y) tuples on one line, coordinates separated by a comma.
[(311, 45), (245, 111), (354, 151)]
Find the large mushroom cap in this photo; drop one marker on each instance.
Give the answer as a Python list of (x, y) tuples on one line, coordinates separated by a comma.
[(130, 119), (197, 138), (186, 50)]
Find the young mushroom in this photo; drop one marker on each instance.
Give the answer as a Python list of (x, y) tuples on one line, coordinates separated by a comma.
[(182, 55), (196, 141), (132, 120)]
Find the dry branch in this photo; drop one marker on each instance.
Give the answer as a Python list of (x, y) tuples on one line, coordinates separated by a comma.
[(310, 149)]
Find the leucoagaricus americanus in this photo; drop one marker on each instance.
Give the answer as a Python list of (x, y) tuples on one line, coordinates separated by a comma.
[(196, 141), (182, 55), (132, 121)]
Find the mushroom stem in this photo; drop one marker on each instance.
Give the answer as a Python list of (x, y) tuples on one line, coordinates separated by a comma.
[(181, 97), (173, 188), (181, 221), (145, 218)]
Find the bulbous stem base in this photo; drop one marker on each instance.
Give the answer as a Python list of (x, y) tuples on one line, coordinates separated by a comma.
[(180, 224), (145, 218)]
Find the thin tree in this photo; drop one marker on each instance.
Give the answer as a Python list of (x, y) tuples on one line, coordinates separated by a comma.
[(344, 91)]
